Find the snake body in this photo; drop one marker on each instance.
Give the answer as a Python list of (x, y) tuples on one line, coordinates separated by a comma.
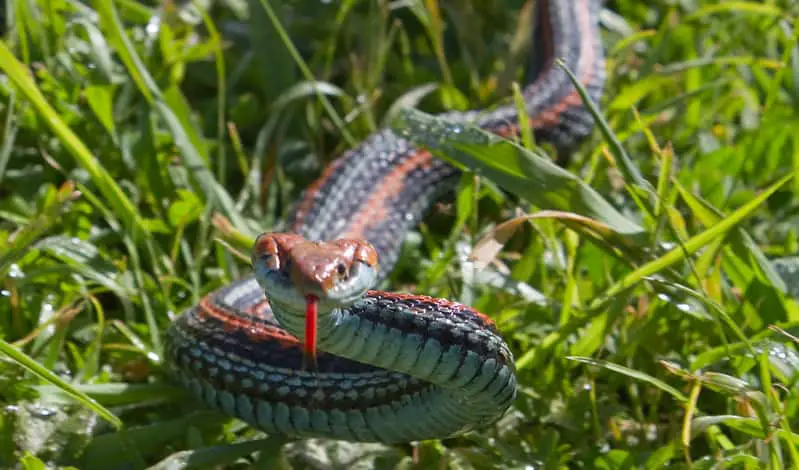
[(393, 367)]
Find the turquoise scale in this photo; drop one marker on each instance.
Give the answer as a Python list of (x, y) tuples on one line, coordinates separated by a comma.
[(454, 389)]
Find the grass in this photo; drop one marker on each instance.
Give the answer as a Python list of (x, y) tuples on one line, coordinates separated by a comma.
[(143, 146)]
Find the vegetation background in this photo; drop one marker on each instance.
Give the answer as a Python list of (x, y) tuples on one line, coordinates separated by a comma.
[(143, 145)]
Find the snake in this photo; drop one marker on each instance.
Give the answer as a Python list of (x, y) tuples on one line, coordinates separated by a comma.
[(306, 347)]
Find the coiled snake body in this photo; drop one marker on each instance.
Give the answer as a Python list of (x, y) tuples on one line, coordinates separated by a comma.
[(393, 367)]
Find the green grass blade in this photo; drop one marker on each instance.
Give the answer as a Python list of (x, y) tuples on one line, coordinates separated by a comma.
[(194, 160), (9, 134), (745, 248), (122, 206), (46, 374), (276, 67), (627, 165), (638, 375), (692, 245), (306, 72), (736, 7), (117, 394)]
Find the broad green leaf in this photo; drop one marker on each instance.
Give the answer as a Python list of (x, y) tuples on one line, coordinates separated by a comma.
[(30, 462), (86, 259), (516, 169)]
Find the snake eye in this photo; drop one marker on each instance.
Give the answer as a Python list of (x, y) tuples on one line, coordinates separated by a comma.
[(342, 270), (269, 260)]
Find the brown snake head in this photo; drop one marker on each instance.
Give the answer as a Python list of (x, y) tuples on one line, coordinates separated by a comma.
[(290, 268), (317, 267)]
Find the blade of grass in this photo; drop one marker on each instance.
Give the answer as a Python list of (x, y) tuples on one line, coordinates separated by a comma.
[(740, 247), (221, 94), (123, 207), (636, 374), (9, 134), (629, 169), (736, 7), (31, 365), (691, 246), (306, 71), (194, 161), (20, 241)]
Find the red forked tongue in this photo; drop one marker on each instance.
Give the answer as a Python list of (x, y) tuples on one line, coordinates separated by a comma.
[(309, 349)]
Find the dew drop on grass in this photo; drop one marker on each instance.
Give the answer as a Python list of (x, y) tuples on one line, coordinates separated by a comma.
[(46, 313), (651, 432), (40, 411), (153, 25), (15, 272)]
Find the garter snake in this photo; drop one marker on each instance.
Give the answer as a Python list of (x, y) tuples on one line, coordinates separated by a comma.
[(392, 367)]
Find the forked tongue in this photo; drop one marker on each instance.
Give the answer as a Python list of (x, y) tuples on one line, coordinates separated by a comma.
[(309, 349)]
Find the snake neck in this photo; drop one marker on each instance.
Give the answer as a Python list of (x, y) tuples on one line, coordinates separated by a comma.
[(445, 343), (292, 319)]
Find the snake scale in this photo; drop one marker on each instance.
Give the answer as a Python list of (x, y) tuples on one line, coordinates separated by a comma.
[(391, 367)]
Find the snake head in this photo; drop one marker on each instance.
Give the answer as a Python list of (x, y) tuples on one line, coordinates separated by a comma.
[(302, 279), (291, 268)]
